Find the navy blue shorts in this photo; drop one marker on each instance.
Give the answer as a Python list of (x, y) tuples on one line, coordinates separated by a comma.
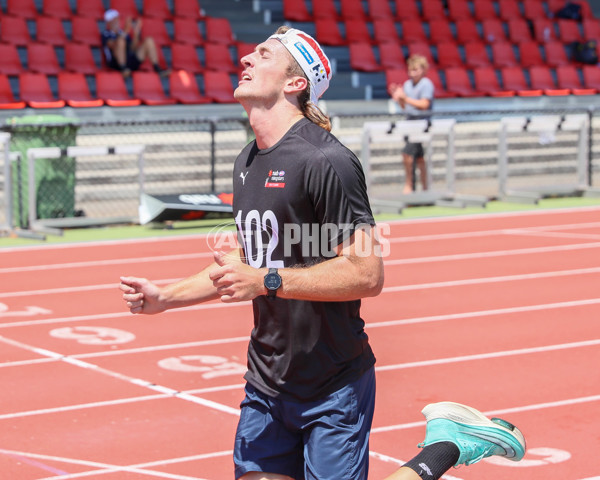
[(326, 439)]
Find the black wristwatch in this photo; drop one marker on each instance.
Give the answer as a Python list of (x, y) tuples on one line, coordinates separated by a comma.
[(272, 282)]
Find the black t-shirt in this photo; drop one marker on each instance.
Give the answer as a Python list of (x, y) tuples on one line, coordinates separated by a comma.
[(293, 202)]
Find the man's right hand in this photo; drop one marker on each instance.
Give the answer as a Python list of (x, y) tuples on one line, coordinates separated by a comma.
[(141, 295)]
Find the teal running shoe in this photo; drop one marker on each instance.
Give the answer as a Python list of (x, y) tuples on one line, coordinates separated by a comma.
[(475, 435)]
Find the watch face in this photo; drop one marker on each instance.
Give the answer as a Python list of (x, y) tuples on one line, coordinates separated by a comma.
[(272, 281)]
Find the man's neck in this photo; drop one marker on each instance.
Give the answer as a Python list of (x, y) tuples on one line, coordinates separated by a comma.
[(270, 125)]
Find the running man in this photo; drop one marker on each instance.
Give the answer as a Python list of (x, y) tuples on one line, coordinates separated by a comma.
[(308, 256)]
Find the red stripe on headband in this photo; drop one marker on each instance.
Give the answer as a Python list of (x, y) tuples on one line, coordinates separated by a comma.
[(317, 49)]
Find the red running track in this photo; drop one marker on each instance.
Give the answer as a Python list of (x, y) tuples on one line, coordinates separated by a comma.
[(496, 311)]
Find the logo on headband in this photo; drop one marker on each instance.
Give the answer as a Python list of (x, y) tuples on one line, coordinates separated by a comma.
[(320, 73), (302, 49)]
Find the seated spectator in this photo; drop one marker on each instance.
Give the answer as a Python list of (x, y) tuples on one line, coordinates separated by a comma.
[(125, 50)]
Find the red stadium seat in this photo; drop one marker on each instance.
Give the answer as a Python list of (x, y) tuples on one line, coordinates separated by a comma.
[(476, 55), (466, 31), (534, 9), (543, 30), (513, 78), (35, 91), (357, 31), (440, 31), (188, 9), (85, 30), (363, 59), (432, 9), (325, 9), (148, 88), (58, 8), (440, 90), (509, 9), (22, 8), (503, 55), (530, 54), (568, 31), (493, 30), (458, 9), (217, 85), (186, 31), (407, 10), (243, 49), (155, 28), (391, 56), (458, 82), (556, 54), (126, 8), (110, 87), (568, 77), (591, 28), (42, 59), (296, 11), (395, 76), (185, 57), (591, 76), (184, 88), (7, 98), (157, 8), (541, 78), (50, 30), (448, 55), (518, 30), (74, 90), (352, 9), (79, 58), (385, 31), (14, 30), (484, 9), (328, 32), (218, 57), (91, 9), (218, 30), (413, 32), (379, 9), (486, 81), (11, 63), (421, 48)]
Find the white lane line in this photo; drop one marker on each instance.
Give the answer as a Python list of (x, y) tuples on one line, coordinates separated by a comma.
[(106, 468), (126, 378), (485, 356), (503, 411)]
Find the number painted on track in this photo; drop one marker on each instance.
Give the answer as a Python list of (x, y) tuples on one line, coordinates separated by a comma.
[(27, 312), (93, 335), (210, 366), (546, 456)]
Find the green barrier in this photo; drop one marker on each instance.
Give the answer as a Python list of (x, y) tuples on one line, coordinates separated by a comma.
[(54, 178)]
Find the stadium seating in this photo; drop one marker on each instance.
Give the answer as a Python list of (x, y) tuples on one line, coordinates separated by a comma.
[(11, 63), (568, 77), (484, 9), (91, 9), (541, 78), (591, 77), (110, 87), (379, 9), (391, 56), (85, 30), (148, 88), (503, 55), (218, 57), (395, 77), (187, 9), (493, 30), (352, 9), (126, 8), (509, 10), (486, 81), (357, 31), (466, 31), (530, 54), (440, 89), (296, 11), (568, 31), (362, 58), (42, 59), (325, 9), (513, 78), (74, 90), (448, 55), (533, 10), (458, 10), (184, 88), (185, 57), (35, 91), (157, 8), (555, 54), (217, 85), (186, 31), (384, 31), (7, 98), (50, 30), (413, 32), (440, 31), (543, 30), (14, 30), (458, 82), (432, 10), (421, 48), (407, 10), (22, 8), (79, 58), (476, 55), (58, 8), (155, 28), (328, 32), (218, 30), (518, 30)]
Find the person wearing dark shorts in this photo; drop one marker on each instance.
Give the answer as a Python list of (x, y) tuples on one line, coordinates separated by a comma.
[(414, 96), (125, 50), (308, 254)]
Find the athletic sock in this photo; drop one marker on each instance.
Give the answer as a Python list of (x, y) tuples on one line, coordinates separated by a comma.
[(434, 460)]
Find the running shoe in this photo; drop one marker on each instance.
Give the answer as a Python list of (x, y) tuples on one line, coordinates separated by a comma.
[(475, 435)]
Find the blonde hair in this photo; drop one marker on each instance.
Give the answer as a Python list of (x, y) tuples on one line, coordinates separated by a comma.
[(417, 61), (308, 108)]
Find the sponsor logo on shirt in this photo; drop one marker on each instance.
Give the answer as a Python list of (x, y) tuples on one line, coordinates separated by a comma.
[(275, 179)]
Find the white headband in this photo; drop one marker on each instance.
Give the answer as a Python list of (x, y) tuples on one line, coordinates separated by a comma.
[(310, 57)]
